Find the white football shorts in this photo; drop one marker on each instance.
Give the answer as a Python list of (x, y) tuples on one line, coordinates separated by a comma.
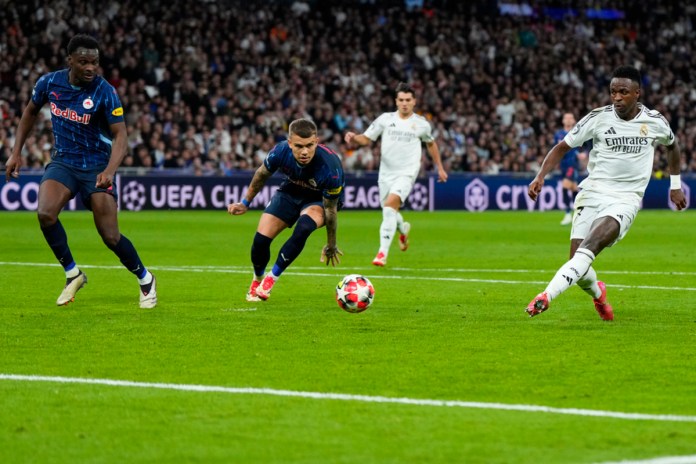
[(401, 186), (591, 206)]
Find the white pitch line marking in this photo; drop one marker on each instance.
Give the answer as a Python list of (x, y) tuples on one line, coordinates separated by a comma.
[(662, 460), (421, 277), (349, 397)]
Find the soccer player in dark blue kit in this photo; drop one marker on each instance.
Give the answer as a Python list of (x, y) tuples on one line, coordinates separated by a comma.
[(569, 169), (90, 143), (309, 198)]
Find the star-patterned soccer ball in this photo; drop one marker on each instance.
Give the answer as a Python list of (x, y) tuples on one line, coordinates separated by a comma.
[(355, 293)]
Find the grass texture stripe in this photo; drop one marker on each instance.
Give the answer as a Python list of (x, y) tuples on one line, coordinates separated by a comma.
[(349, 397)]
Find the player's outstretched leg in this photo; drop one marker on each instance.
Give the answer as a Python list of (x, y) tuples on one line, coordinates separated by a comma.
[(538, 305), (72, 285), (606, 312)]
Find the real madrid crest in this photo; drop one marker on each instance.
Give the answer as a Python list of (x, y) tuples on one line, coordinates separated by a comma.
[(644, 130), (88, 104), (313, 183)]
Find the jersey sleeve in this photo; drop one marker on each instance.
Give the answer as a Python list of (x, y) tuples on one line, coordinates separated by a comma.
[(427, 133), (273, 159), (40, 93), (334, 188), (112, 106), (665, 136), (583, 130), (376, 128)]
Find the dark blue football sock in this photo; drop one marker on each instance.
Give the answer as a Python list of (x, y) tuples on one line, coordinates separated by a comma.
[(260, 253), (125, 251), (293, 247), (57, 239)]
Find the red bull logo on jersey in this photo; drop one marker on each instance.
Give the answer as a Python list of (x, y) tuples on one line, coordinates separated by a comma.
[(70, 114)]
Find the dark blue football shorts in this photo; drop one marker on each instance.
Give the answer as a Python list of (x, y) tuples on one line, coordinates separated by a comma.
[(287, 207), (78, 180)]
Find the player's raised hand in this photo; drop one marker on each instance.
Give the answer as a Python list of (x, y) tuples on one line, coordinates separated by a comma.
[(236, 209), (348, 138), (331, 255)]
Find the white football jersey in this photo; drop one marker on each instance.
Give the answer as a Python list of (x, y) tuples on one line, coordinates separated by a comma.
[(401, 142), (621, 159)]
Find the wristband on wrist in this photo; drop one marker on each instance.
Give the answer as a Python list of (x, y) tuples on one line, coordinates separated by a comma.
[(245, 202), (675, 182)]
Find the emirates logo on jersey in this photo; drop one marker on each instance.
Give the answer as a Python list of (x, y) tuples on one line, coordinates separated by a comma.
[(88, 104)]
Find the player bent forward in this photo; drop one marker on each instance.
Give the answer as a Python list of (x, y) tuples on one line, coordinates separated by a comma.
[(624, 135), (309, 198)]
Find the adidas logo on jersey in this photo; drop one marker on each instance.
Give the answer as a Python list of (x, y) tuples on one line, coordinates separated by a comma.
[(611, 130), (392, 125)]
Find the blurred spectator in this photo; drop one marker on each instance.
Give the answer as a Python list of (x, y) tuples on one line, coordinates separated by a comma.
[(214, 90)]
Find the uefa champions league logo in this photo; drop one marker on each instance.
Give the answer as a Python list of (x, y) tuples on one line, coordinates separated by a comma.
[(133, 196), (418, 199), (476, 196)]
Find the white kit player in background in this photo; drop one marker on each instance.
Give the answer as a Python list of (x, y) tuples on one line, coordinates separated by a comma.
[(402, 132), (624, 135)]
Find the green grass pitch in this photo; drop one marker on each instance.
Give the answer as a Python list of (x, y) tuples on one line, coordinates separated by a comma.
[(447, 324)]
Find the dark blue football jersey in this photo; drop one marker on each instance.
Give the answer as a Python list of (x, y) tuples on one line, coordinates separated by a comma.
[(323, 174), (81, 117)]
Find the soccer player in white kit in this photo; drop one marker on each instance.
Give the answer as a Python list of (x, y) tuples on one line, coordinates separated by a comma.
[(624, 135), (402, 132)]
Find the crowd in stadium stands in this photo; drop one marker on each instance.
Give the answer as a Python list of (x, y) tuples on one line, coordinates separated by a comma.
[(210, 86)]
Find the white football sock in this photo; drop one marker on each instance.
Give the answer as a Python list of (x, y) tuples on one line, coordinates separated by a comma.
[(588, 283), (146, 279), (399, 222), (74, 272), (570, 272), (387, 229)]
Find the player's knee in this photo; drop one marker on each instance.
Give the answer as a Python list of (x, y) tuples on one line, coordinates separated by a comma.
[(305, 226), (260, 244), (110, 237), (46, 218)]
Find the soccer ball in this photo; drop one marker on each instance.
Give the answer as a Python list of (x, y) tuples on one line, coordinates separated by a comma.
[(354, 293)]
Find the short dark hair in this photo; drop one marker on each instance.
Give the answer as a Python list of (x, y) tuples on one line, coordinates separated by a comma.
[(405, 88), (627, 72), (82, 41), (304, 128)]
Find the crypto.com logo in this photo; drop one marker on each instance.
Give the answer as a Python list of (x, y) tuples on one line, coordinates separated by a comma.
[(476, 196)]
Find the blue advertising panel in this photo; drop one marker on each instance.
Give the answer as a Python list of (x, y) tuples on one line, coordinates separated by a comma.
[(460, 192)]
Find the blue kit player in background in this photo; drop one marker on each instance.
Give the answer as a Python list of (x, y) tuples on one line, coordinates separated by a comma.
[(309, 198), (90, 143), (569, 169)]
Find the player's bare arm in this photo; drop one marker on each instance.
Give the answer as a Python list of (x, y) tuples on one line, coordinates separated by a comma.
[(673, 159), (434, 152), (330, 254), (261, 175), (26, 124), (119, 149), (553, 157), (356, 139)]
